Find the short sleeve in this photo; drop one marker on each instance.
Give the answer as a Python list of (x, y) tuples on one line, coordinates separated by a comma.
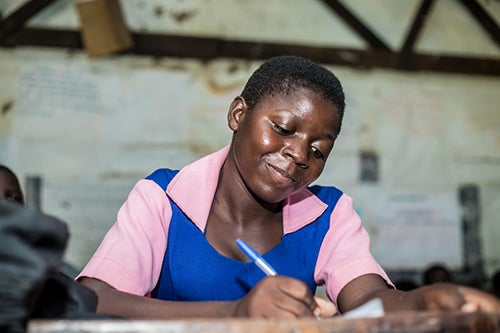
[(345, 252), (131, 254)]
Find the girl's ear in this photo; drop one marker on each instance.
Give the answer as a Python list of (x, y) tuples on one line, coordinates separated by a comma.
[(237, 112)]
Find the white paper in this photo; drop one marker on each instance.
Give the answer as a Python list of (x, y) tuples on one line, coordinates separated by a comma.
[(371, 309)]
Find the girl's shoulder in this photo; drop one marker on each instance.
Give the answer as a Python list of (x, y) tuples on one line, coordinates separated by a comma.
[(162, 177)]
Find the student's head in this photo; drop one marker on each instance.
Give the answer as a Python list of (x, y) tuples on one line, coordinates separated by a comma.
[(405, 285), (10, 189), (495, 281), (284, 126), (437, 273), (285, 75)]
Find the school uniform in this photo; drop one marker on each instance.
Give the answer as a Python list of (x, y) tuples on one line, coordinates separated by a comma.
[(157, 245)]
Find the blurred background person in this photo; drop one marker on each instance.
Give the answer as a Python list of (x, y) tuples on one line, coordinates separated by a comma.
[(437, 273), (495, 283), (10, 189)]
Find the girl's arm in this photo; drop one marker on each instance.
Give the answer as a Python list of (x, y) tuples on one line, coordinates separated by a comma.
[(121, 304), (436, 297), (273, 297)]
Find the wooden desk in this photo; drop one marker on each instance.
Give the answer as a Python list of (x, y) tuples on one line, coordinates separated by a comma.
[(403, 322)]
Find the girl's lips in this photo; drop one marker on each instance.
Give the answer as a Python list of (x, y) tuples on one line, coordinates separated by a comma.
[(281, 174)]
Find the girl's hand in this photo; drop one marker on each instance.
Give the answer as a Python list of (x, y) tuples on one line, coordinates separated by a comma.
[(325, 308), (282, 297), (451, 297)]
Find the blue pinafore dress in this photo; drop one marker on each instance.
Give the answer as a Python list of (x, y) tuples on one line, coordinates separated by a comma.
[(193, 270)]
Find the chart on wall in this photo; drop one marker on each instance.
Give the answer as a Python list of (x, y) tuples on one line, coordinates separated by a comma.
[(413, 231)]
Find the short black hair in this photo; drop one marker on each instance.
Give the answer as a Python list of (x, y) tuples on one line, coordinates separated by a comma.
[(496, 279), (437, 273), (8, 170), (286, 74)]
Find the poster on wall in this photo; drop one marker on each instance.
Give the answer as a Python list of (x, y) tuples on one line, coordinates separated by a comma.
[(413, 231)]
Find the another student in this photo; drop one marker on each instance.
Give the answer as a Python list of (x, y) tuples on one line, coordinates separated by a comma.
[(9, 186), (174, 237), (437, 273), (10, 190), (405, 284), (495, 283)]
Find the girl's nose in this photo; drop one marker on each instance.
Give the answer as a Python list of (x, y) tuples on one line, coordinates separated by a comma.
[(299, 153)]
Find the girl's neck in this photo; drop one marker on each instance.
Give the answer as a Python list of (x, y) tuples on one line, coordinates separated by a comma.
[(236, 213), (233, 197)]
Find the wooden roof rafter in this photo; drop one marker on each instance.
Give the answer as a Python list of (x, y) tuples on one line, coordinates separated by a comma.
[(406, 53), (17, 20), (378, 55), (357, 25), (484, 19)]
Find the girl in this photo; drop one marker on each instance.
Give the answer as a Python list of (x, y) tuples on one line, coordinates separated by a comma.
[(174, 238)]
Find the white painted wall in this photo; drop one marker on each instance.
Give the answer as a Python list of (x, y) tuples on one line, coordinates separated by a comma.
[(92, 128)]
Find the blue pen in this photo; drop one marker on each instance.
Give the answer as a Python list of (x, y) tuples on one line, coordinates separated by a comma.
[(256, 258), (259, 261)]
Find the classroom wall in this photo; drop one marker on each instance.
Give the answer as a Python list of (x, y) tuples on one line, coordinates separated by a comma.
[(90, 128)]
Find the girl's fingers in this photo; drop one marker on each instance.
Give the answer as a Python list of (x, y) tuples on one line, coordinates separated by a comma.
[(325, 308), (476, 300)]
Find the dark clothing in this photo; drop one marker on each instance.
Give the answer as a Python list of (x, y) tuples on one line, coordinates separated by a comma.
[(31, 285)]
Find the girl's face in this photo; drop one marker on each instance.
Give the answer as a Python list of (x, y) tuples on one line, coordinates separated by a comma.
[(282, 145), (9, 188)]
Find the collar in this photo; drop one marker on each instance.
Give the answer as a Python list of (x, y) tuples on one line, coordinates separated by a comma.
[(193, 189)]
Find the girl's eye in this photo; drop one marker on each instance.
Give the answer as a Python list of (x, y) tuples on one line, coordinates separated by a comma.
[(13, 197), (282, 130), (317, 153)]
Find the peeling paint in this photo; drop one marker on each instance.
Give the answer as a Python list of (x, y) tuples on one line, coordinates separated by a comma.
[(7, 107), (113, 174), (199, 148), (223, 75), (159, 11), (180, 17)]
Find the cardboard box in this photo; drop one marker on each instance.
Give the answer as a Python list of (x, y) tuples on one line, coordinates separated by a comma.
[(103, 28)]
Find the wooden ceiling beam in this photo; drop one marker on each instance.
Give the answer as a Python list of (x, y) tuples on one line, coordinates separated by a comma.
[(161, 45), (17, 20), (484, 19), (357, 25), (404, 59), (45, 37)]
